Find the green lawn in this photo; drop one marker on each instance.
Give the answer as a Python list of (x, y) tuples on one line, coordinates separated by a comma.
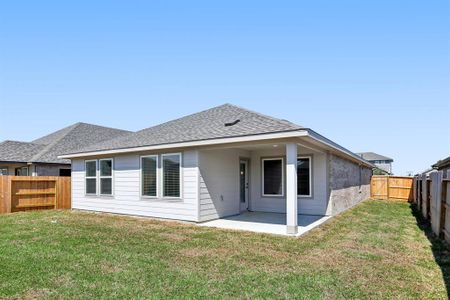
[(375, 250)]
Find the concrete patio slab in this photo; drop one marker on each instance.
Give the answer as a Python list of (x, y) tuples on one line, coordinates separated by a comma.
[(263, 222)]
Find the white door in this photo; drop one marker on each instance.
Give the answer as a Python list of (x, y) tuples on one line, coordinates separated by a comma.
[(243, 184)]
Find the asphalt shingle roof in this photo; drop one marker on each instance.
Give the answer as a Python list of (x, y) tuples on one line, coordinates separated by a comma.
[(208, 124), (47, 148), (371, 156)]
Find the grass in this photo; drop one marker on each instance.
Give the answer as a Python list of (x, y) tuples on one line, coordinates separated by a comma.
[(375, 250)]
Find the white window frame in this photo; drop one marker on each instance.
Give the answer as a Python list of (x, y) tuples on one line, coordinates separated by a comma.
[(310, 176), (100, 177), (157, 177), (91, 177), (7, 170), (282, 177), (162, 175)]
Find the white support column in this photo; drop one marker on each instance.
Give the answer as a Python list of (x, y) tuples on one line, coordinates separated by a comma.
[(291, 189)]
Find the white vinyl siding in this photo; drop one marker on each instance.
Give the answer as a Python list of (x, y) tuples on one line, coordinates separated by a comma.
[(127, 197)]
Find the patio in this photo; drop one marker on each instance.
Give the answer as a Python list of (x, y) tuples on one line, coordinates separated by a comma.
[(263, 222)]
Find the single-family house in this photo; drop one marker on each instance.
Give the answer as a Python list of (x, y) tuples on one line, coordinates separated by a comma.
[(40, 157), (217, 163), (380, 161), (442, 165)]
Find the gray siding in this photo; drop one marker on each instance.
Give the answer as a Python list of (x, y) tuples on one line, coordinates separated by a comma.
[(349, 183), (219, 182)]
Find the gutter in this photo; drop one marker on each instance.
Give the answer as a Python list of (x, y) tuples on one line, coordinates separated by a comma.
[(304, 132)]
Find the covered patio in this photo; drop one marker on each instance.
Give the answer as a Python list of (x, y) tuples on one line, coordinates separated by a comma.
[(264, 222)]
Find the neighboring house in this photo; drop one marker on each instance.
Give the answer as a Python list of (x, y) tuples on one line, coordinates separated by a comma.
[(442, 165), (382, 162), (217, 163), (40, 157)]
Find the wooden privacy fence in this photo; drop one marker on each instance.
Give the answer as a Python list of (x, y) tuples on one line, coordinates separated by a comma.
[(20, 193), (392, 187), (432, 197)]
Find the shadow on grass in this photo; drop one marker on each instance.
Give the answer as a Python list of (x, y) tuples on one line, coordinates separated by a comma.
[(440, 249)]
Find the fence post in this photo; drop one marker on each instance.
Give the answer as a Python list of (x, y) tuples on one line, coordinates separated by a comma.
[(424, 196), (447, 209), (436, 201)]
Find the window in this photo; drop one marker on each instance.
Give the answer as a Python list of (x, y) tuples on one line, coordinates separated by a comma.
[(273, 178), (149, 175), (304, 176), (106, 170), (22, 171), (91, 177), (3, 171), (171, 164), (65, 172)]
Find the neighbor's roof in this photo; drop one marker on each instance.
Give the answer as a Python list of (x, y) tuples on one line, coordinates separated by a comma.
[(371, 156), (205, 125), (46, 149), (442, 163)]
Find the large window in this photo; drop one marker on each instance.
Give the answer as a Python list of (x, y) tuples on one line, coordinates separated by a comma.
[(91, 177), (304, 176), (106, 180), (171, 165), (149, 175), (273, 177)]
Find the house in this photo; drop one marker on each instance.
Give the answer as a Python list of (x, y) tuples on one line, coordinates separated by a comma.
[(218, 163), (442, 165), (40, 157), (381, 162)]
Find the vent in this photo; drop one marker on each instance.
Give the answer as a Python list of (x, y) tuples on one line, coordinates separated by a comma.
[(232, 123)]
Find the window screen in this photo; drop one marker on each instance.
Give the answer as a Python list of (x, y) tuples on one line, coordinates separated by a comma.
[(106, 176), (91, 177), (149, 176), (303, 176), (171, 175), (273, 177)]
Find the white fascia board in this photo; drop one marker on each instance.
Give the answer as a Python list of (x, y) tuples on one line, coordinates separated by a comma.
[(259, 137)]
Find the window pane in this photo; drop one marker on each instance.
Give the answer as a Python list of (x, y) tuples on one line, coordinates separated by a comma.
[(303, 165), (171, 175), (91, 186), (106, 186), (149, 168), (91, 169), (273, 177), (106, 167)]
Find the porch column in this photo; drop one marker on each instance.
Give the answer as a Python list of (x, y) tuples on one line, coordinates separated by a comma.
[(291, 188)]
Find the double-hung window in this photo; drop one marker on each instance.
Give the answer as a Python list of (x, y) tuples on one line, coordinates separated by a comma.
[(273, 176), (91, 177), (171, 173), (149, 176), (106, 179), (304, 176)]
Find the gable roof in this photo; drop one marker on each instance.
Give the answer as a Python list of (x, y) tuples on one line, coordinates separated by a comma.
[(371, 156), (46, 149), (223, 121)]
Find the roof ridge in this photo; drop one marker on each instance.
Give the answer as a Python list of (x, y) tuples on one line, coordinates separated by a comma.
[(261, 114), (49, 146)]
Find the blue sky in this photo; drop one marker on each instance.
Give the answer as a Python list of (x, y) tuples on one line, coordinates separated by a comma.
[(370, 75)]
